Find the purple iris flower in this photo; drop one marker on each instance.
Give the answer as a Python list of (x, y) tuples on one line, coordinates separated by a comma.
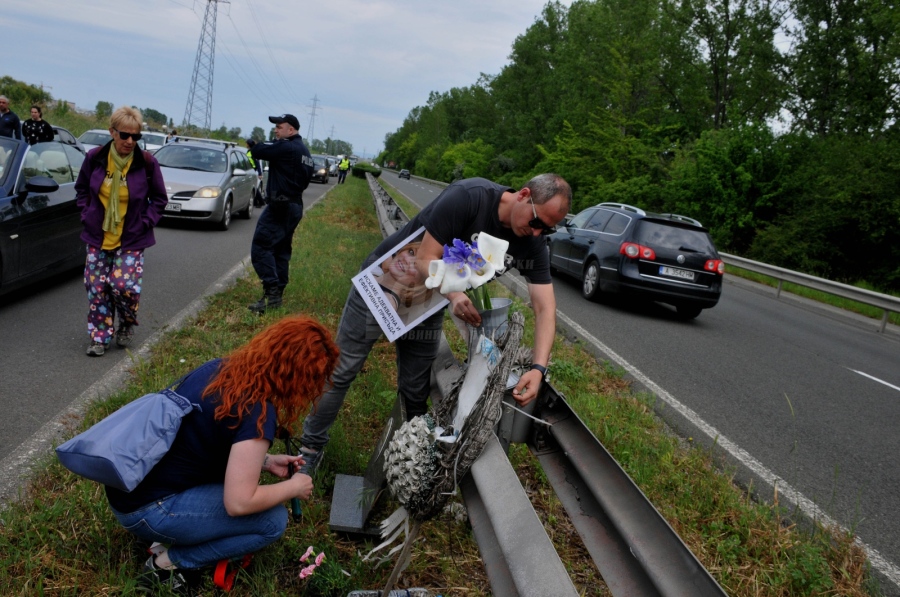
[(456, 256)]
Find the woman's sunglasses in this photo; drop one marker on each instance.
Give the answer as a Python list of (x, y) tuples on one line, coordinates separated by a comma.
[(127, 136), (538, 224)]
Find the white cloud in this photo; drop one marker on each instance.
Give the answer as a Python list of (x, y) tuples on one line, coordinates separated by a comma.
[(368, 62)]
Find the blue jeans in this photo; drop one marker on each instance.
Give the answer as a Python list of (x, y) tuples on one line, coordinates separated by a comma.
[(198, 530), (357, 333), (270, 250)]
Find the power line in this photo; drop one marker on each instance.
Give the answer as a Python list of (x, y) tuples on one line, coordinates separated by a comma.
[(252, 58), (271, 55)]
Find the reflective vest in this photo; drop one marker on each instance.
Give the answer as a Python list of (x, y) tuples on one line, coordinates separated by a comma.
[(345, 164)]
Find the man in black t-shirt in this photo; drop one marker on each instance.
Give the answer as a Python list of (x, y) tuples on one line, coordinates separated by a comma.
[(461, 211)]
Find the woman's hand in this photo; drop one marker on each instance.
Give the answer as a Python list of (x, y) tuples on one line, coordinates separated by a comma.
[(281, 465), (303, 485)]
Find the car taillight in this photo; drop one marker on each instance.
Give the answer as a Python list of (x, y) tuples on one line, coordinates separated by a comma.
[(634, 250), (715, 265)]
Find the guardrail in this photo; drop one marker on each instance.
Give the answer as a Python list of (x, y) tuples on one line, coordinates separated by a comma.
[(632, 545), (889, 304), (867, 297)]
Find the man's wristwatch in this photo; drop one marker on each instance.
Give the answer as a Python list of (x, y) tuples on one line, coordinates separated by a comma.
[(540, 368)]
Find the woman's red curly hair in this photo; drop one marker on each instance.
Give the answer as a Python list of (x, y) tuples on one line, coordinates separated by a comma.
[(287, 364)]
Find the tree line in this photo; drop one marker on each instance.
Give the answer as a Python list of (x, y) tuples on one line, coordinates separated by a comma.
[(773, 122)]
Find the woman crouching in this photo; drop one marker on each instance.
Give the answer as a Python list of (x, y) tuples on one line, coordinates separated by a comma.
[(203, 502)]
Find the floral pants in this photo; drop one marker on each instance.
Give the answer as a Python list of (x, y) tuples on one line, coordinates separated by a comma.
[(113, 282)]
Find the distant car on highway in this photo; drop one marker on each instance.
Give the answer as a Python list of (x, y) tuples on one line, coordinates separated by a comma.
[(404, 174), (621, 249), (321, 164), (40, 224), (207, 180)]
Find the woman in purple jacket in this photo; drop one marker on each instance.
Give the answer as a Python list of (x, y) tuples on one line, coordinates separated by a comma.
[(118, 231)]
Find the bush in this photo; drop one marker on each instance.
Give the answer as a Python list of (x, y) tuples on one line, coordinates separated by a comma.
[(360, 169)]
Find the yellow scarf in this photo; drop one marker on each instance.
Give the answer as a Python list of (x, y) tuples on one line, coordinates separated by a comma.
[(112, 219)]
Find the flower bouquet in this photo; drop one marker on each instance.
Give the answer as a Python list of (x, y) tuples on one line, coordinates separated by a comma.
[(468, 268)]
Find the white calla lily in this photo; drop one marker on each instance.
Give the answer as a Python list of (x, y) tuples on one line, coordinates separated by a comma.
[(493, 250), (436, 271), (486, 275), (456, 279)]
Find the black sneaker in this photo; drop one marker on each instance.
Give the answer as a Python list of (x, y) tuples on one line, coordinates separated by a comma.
[(153, 579), (124, 335), (312, 459)]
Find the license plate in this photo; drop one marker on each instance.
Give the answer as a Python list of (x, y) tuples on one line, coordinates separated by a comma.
[(173, 207), (676, 273)]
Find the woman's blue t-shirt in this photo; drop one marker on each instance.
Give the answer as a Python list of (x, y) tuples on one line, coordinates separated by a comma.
[(199, 455)]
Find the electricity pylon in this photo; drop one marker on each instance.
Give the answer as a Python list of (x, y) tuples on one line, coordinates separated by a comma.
[(199, 105)]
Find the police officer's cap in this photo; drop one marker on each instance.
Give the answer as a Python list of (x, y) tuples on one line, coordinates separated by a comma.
[(288, 118)]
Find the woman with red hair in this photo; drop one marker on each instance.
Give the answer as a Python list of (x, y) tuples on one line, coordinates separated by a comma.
[(203, 502)]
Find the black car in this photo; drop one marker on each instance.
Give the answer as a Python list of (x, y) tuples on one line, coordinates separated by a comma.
[(40, 224), (320, 168), (620, 249), (65, 136), (403, 174)]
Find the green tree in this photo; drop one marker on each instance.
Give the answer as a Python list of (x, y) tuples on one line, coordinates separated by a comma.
[(466, 160), (845, 72), (103, 110), (154, 118)]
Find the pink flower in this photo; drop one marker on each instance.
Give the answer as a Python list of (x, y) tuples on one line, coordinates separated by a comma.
[(309, 552), (307, 571), (320, 558)]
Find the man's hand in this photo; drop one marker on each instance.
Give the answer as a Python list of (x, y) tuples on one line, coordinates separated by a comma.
[(462, 307), (528, 387)]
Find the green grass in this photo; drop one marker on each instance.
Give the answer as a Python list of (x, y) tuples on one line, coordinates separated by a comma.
[(822, 297), (62, 540)]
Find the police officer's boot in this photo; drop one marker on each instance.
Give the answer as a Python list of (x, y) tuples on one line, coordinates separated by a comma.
[(271, 299)]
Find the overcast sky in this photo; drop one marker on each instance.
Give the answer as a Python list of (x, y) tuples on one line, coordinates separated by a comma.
[(368, 62)]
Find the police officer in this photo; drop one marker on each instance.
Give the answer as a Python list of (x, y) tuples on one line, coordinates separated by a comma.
[(290, 168), (342, 169)]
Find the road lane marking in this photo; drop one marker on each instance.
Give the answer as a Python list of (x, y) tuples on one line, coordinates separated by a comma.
[(881, 381)]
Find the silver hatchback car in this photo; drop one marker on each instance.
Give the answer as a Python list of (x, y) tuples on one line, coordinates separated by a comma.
[(207, 180)]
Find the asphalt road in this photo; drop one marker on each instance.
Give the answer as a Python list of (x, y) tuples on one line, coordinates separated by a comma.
[(810, 395), (42, 357)]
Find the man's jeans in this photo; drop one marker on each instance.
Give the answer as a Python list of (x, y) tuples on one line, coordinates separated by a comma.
[(198, 530), (270, 251), (357, 333)]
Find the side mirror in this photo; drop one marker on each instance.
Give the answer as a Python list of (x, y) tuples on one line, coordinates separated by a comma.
[(238, 172), (41, 184)]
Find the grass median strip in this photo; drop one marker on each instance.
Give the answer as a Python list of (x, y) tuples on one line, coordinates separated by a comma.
[(62, 539)]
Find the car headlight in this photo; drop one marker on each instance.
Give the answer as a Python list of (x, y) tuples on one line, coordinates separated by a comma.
[(322, 172), (208, 192)]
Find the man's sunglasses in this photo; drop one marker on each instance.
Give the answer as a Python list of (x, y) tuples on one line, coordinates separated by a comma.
[(538, 224), (127, 136)]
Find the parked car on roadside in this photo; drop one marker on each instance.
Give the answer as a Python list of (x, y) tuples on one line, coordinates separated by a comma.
[(97, 137), (94, 138), (207, 180), (153, 140), (65, 136), (620, 249), (404, 174), (40, 224), (320, 168)]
